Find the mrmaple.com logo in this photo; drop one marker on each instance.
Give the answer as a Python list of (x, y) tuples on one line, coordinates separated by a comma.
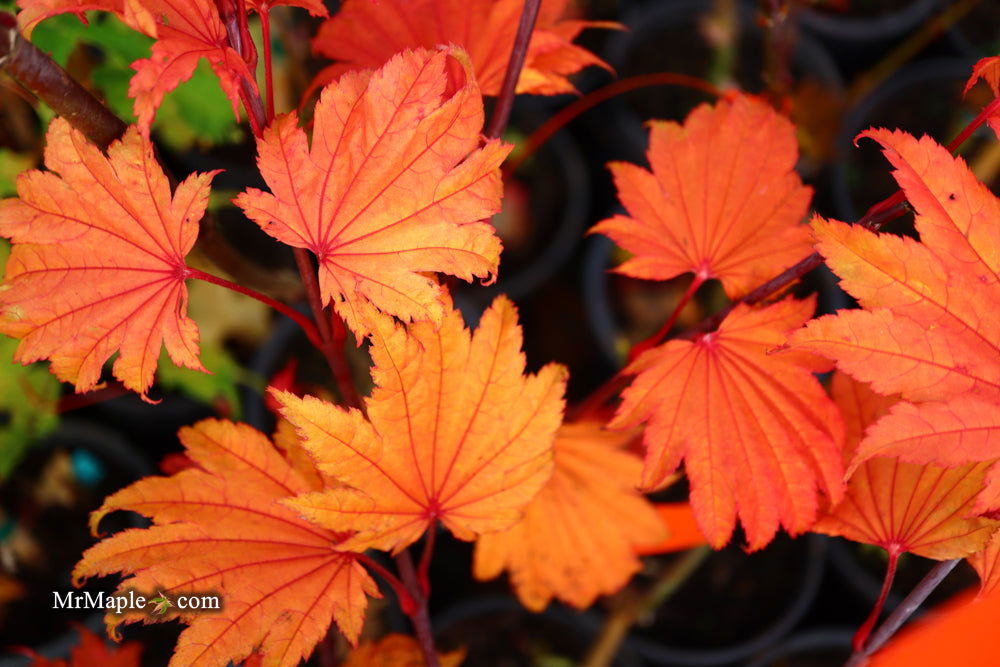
[(130, 600)]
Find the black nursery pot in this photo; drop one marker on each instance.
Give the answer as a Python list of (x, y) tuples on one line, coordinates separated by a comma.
[(100, 462), (924, 98), (498, 630), (735, 606), (666, 37)]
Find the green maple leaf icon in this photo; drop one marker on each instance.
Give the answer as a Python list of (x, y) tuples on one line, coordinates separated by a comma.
[(162, 603)]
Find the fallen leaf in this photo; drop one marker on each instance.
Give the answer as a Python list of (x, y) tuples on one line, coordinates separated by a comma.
[(394, 185), (756, 431), (97, 265), (365, 34), (578, 536), (455, 433), (221, 528), (722, 200)]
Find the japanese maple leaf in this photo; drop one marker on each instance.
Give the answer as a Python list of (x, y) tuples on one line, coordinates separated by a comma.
[(903, 507), (455, 432), (185, 32), (365, 34), (578, 536), (757, 433), (221, 528), (722, 199), (97, 265), (988, 69), (926, 331), (93, 650), (393, 185), (397, 651), (986, 561)]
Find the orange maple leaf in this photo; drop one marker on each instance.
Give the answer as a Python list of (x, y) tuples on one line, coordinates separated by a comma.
[(221, 528), (903, 507), (393, 185), (365, 34), (455, 432), (185, 32), (98, 260), (92, 651), (723, 199), (987, 564), (397, 651), (987, 69), (757, 432), (578, 536), (924, 332)]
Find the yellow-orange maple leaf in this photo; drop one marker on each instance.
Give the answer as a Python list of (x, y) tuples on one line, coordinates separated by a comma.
[(393, 185), (455, 433), (578, 536), (185, 32), (927, 331), (903, 507), (220, 527), (756, 431), (97, 264), (722, 200), (397, 651), (365, 34)]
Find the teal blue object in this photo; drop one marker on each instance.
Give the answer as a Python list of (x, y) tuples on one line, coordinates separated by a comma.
[(88, 469)]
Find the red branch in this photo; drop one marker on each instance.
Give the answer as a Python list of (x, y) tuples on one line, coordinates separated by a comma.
[(419, 616), (505, 102), (590, 100)]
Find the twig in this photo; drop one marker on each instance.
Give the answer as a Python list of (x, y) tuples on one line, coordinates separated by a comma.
[(906, 608), (505, 102), (419, 616), (53, 85)]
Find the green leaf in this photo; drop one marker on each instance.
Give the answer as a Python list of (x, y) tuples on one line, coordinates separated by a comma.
[(29, 396), (207, 388)]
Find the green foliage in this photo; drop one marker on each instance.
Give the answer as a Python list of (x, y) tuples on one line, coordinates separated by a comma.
[(28, 400), (195, 113)]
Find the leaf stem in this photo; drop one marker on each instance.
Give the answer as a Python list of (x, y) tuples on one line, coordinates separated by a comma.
[(565, 115), (419, 616), (303, 321), (602, 651), (49, 82), (655, 339), (518, 53), (265, 28), (425, 560), (405, 601), (903, 611), (328, 345), (866, 628)]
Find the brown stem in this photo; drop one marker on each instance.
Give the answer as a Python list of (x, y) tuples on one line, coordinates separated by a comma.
[(903, 611), (505, 102), (420, 618), (53, 85), (655, 339)]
